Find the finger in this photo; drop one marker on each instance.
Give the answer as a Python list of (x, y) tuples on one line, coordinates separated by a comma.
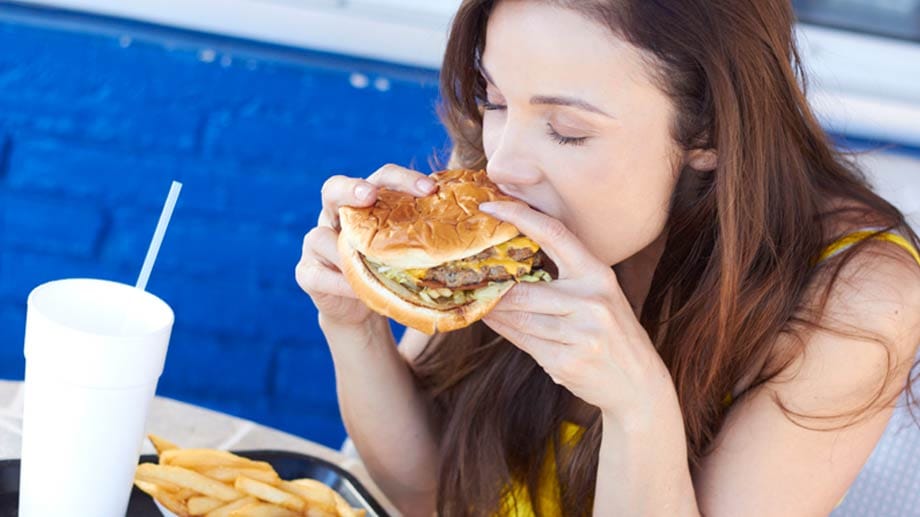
[(402, 179), (340, 190), (541, 326), (316, 278), (320, 244), (560, 244), (542, 351), (537, 297), (344, 191)]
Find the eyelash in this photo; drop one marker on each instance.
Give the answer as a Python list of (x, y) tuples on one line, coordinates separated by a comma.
[(562, 140)]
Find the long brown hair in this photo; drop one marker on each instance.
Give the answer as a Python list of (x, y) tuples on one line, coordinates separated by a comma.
[(739, 256)]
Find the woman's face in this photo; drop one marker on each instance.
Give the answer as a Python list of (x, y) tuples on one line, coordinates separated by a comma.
[(575, 126)]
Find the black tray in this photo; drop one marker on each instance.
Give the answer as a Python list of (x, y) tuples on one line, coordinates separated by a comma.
[(290, 465)]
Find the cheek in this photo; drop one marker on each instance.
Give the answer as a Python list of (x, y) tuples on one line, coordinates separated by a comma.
[(619, 205), (491, 133)]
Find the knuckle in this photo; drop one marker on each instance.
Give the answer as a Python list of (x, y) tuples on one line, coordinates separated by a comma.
[(597, 310), (331, 184), (568, 366), (608, 281), (517, 295), (522, 319), (308, 276), (387, 169), (554, 229), (311, 240)]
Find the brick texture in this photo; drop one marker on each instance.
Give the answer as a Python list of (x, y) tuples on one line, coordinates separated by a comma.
[(97, 118)]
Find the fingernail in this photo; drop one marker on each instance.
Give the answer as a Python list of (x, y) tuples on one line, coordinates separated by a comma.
[(489, 208), (362, 191), (424, 185)]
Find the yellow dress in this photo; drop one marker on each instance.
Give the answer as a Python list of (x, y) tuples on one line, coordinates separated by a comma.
[(516, 503)]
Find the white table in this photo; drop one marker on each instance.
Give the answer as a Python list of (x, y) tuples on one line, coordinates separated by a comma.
[(192, 426)]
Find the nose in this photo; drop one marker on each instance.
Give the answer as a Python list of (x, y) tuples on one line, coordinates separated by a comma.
[(511, 161)]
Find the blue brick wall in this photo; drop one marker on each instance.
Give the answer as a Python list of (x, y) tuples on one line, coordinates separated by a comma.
[(98, 115)]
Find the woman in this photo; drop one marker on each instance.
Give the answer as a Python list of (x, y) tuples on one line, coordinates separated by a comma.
[(736, 310)]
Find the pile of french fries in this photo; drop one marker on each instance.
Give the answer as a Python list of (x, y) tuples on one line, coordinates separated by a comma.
[(213, 483)]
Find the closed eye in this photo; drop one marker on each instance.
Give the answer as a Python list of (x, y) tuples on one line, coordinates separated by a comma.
[(489, 106), (565, 140)]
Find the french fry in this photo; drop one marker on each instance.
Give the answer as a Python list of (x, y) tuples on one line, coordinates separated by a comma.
[(166, 498), (186, 479), (263, 510), (229, 474), (202, 459), (227, 509), (215, 483), (269, 493), (161, 444), (200, 505), (184, 493), (162, 485), (340, 506), (320, 512), (317, 495)]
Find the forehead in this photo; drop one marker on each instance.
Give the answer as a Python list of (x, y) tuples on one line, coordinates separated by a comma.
[(536, 46)]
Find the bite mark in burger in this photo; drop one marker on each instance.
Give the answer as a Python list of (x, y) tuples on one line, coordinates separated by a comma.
[(436, 263)]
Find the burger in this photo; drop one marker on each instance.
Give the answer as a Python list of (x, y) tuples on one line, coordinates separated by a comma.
[(436, 263)]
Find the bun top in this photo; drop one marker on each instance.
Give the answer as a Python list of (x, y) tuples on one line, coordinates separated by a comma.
[(407, 232)]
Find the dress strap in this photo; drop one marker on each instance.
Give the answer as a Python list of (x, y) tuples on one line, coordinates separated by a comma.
[(850, 239)]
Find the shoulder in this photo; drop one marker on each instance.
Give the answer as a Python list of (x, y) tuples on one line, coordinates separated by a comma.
[(866, 311), (876, 287), (794, 444)]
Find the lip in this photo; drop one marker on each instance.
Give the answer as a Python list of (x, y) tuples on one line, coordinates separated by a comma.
[(518, 197)]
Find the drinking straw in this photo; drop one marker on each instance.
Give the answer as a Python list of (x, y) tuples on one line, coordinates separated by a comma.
[(158, 235)]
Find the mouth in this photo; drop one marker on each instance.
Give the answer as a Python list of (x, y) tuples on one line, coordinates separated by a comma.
[(510, 192)]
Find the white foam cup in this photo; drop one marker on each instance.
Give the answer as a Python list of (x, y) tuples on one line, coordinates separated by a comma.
[(94, 352)]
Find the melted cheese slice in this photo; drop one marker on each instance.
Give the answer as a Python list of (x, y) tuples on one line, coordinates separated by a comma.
[(500, 258)]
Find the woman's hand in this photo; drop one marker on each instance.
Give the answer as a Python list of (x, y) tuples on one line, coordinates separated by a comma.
[(319, 271), (579, 328)]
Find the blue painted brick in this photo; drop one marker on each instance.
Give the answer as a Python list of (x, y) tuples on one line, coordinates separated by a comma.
[(135, 68), (202, 364), (351, 128), (21, 271), (322, 424), (111, 176), (288, 198), (170, 129), (305, 374), (206, 247), (12, 333), (229, 307), (101, 118), (52, 225), (6, 149), (140, 180)]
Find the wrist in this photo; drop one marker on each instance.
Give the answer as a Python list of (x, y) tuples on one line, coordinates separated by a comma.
[(369, 333), (369, 326), (657, 412)]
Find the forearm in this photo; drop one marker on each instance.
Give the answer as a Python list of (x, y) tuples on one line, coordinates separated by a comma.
[(643, 471), (385, 414)]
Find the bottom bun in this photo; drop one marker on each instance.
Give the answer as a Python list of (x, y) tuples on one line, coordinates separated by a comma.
[(425, 319)]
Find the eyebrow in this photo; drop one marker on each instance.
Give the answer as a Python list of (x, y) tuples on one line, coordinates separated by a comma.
[(554, 100)]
